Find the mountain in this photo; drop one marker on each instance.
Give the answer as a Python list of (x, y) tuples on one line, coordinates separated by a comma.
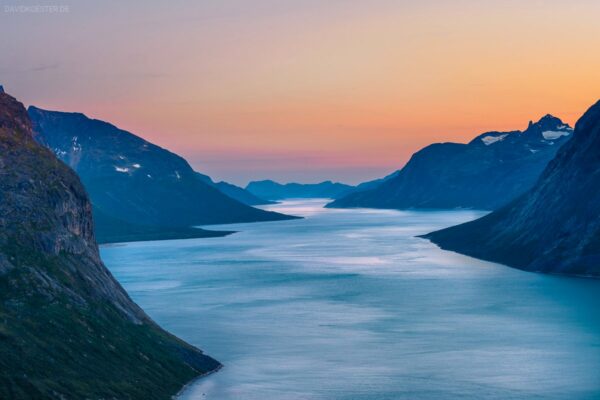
[(235, 192), (241, 194), (555, 226), (113, 230), (487, 173), (68, 330), (373, 184), (271, 190), (132, 180)]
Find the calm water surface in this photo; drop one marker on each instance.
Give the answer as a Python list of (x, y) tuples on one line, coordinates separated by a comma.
[(348, 304)]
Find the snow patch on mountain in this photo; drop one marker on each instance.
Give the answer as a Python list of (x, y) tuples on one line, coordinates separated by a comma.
[(567, 127), (487, 140), (59, 152), (553, 135), (76, 145)]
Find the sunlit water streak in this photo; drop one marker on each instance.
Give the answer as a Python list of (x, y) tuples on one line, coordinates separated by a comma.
[(349, 304)]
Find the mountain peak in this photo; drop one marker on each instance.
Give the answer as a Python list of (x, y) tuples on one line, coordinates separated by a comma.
[(548, 123), (13, 117), (548, 117), (33, 109), (1, 89)]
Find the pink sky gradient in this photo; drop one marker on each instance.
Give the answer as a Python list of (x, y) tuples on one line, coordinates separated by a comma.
[(307, 90)]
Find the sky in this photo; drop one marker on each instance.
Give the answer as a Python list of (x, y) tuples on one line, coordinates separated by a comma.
[(304, 90)]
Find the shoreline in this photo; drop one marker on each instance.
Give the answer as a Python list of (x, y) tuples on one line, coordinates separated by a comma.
[(197, 378), (524, 269)]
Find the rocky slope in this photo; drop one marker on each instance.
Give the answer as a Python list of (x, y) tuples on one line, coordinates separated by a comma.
[(555, 226), (271, 190), (131, 180), (491, 170), (235, 192), (67, 328)]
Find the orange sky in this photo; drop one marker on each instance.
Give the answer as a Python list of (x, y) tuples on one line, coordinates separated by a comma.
[(301, 90)]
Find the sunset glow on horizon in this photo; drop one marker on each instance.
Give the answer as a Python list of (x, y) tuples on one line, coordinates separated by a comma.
[(303, 90)]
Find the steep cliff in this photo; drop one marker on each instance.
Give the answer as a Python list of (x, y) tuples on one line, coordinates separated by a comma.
[(68, 330)]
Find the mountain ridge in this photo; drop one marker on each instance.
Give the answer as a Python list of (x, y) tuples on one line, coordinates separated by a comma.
[(486, 173), (271, 190), (132, 180), (235, 192), (553, 227)]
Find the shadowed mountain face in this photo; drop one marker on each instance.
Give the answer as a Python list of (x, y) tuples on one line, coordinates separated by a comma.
[(235, 192), (131, 180), (271, 190), (491, 170), (373, 184), (67, 328), (555, 226)]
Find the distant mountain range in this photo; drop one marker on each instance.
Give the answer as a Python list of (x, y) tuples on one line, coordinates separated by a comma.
[(491, 170), (272, 190), (553, 227), (68, 330), (138, 190), (235, 192)]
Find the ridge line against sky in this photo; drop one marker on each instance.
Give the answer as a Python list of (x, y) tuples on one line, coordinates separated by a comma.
[(301, 90)]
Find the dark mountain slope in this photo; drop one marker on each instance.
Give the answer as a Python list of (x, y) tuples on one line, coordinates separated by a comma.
[(491, 170), (555, 226), (112, 230), (132, 180), (374, 183), (67, 328), (235, 192), (271, 190), (241, 194)]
